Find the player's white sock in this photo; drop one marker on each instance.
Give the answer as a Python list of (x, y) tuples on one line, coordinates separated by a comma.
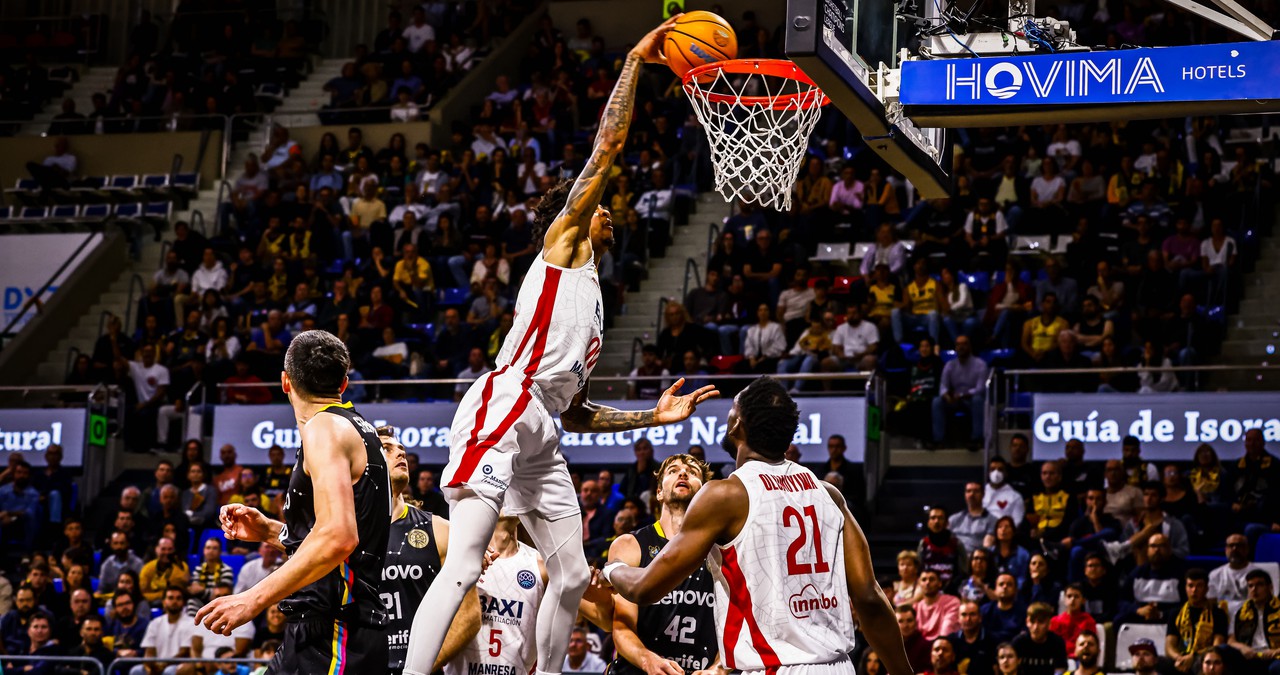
[(560, 543), (471, 526)]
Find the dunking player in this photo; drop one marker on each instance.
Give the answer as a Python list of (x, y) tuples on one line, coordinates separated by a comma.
[(678, 635), (337, 513), (415, 548), (791, 565), (504, 444)]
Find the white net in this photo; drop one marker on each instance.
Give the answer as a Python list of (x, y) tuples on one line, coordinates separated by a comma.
[(758, 124)]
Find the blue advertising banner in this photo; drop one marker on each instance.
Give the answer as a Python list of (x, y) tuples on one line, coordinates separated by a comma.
[(1169, 426), (1217, 72), (424, 429), (29, 432)]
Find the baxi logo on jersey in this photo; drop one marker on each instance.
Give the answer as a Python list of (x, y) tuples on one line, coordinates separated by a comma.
[(809, 600), (500, 610), (526, 579)]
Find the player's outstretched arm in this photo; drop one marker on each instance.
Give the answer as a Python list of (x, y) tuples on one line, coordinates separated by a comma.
[(626, 616), (585, 416), (716, 513), (466, 623), (870, 605), (332, 444), (568, 232)]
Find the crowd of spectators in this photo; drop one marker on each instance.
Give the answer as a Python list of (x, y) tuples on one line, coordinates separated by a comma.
[(1050, 560), (412, 254)]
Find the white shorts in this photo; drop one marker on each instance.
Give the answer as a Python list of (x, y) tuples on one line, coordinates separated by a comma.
[(504, 447), (842, 667)]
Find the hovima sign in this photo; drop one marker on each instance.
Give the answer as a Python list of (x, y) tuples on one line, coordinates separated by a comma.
[(1170, 426)]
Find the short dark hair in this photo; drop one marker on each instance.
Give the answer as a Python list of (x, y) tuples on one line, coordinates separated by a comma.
[(317, 363), (904, 609), (768, 416), (91, 616), (1258, 574), (650, 349), (386, 431), (1021, 437), (1198, 574), (1154, 485), (551, 205), (224, 652), (1130, 440)]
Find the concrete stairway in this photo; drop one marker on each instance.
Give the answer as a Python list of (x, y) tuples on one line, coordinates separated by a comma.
[(1253, 333), (92, 81), (640, 314)]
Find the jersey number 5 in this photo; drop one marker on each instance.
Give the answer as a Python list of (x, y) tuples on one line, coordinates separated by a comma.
[(794, 566), (495, 642)]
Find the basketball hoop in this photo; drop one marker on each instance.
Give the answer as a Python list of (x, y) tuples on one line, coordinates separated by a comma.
[(758, 114)]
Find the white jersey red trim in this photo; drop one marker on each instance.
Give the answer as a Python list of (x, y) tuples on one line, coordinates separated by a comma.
[(782, 598)]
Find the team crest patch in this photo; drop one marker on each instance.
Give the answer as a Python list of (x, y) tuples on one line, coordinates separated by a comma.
[(417, 538), (526, 579), (653, 551), (487, 470)]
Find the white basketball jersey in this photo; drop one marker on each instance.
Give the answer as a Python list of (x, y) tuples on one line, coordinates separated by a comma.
[(781, 594), (555, 340), (510, 593)]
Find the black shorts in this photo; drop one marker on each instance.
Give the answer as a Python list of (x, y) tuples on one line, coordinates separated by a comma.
[(328, 647)]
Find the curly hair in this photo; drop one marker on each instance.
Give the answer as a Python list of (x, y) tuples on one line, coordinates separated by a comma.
[(769, 417), (550, 206)]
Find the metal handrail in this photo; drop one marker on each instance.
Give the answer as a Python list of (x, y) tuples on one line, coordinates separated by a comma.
[(165, 246), (119, 665), (197, 222), (637, 345), (852, 375), (662, 305), (28, 658), (26, 306), (1139, 369), (102, 321), (186, 402), (224, 188), (689, 262), (73, 353), (168, 123), (134, 281), (713, 236)]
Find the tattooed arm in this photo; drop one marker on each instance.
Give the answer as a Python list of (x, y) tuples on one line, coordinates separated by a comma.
[(565, 243), (584, 416)]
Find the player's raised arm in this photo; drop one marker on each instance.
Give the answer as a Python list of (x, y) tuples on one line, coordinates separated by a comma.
[(583, 415), (567, 234), (720, 507), (870, 605)]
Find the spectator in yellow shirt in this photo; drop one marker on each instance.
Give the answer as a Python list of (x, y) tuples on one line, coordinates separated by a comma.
[(413, 280), (922, 305), (164, 570)]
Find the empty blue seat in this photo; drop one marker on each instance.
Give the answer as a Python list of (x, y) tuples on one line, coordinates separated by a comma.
[(129, 211), (1268, 549), (193, 561), (93, 584), (210, 533), (65, 212), (33, 213), (155, 181), (979, 281), (1021, 400), (6, 212), (185, 182), (453, 297), (948, 355), (95, 211), (58, 585), (235, 562)]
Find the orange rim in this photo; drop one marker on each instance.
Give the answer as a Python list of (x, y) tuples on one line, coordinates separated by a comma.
[(771, 67)]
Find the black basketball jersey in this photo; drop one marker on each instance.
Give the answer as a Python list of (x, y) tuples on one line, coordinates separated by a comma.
[(348, 593), (413, 560), (682, 626)]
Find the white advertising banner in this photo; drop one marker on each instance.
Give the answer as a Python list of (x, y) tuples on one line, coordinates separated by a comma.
[(1170, 426), (27, 261), (28, 431), (424, 429)]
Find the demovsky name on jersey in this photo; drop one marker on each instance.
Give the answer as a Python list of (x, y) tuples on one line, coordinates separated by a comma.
[(789, 483), (501, 610)]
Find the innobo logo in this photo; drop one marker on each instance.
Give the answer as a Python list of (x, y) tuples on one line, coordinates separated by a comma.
[(810, 600)]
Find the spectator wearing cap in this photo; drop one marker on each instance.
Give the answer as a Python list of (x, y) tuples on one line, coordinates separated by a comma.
[(1145, 659), (1198, 626), (1256, 633), (1041, 651)]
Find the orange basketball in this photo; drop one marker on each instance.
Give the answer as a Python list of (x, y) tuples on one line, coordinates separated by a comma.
[(699, 37)]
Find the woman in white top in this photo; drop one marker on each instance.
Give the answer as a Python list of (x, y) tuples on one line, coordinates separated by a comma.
[(1048, 194), (960, 319), (1155, 376), (764, 345), (223, 345), (493, 265), (1217, 257)]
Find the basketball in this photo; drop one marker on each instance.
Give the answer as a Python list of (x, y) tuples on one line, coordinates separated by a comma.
[(697, 38)]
